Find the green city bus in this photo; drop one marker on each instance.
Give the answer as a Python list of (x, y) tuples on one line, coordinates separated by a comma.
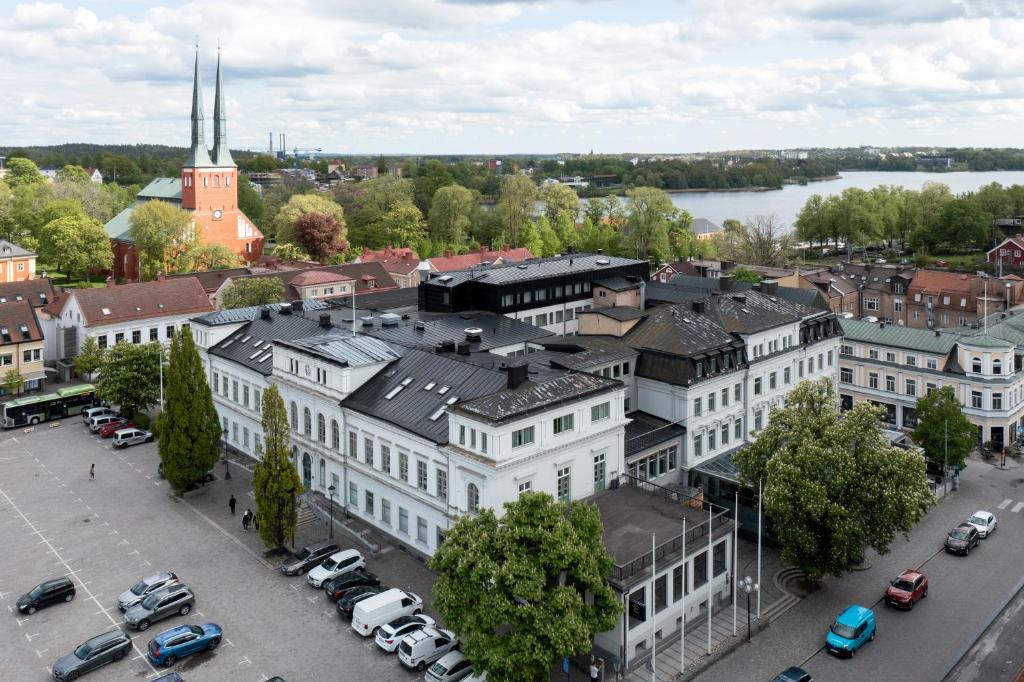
[(40, 408)]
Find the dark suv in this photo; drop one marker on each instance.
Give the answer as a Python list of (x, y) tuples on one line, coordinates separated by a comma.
[(335, 589), (109, 647), (308, 557), (46, 593), (962, 539)]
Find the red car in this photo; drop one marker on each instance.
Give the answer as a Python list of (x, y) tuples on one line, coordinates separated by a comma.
[(906, 589), (110, 429)]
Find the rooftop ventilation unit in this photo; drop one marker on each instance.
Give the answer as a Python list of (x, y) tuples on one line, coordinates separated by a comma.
[(285, 309), (367, 320), (473, 334), (603, 261), (390, 320), (420, 326)]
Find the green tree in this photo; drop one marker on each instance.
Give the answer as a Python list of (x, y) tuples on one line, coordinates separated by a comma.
[(833, 486), (551, 245), (13, 382), (21, 172), (515, 205), (403, 225), (451, 214), (527, 589), (559, 199), (650, 211), (188, 428), (530, 238), (275, 482), (161, 232), (208, 257), (940, 414), (963, 225), (90, 358), (742, 274), (290, 252), (130, 377), (297, 206), (76, 244), (431, 177), (72, 173), (8, 227), (249, 291), (594, 210)]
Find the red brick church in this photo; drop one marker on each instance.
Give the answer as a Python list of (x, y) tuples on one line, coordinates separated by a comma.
[(208, 187)]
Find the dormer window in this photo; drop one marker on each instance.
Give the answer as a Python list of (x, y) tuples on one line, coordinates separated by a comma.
[(976, 365), (700, 369), (997, 366)]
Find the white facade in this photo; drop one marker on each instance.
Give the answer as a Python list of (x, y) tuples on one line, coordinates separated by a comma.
[(559, 318)]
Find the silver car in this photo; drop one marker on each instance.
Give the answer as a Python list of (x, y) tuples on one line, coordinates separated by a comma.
[(144, 588), (171, 600), (126, 437), (90, 412), (98, 422)]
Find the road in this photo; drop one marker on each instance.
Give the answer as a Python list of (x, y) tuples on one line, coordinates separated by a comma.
[(998, 654), (922, 644)]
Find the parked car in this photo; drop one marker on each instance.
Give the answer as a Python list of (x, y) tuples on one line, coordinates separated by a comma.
[(476, 677), (126, 437), (340, 562), (308, 557), (46, 593), (90, 412), (962, 539), (356, 595), (793, 674), (906, 589), (451, 667), (421, 648), (984, 521), (170, 645), (390, 635), (384, 608), (851, 630), (111, 646), (98, 422), (144, 588), (173, 599), (113, 427), (336, 588)]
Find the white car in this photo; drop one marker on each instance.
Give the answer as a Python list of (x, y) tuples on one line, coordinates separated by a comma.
[(389, 636), (984, 521), (421, 648), (453, 666), (131, 436), (340, 562)]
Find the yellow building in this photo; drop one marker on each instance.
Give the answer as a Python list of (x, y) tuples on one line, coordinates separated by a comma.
[(21, 345)]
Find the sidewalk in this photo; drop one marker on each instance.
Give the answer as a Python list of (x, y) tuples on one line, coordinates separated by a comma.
[(776, 599)]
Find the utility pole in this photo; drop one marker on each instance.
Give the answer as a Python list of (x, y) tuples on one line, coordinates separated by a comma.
[(945, 456)]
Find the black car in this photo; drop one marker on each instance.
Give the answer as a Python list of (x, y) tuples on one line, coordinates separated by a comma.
[(336, 588), (962, 539), (793, 674), (308, 557), (110, 647), (46, 593), (356, 595)]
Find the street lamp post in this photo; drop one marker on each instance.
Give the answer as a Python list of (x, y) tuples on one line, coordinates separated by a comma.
[(749, 586), (224, 454), (331, 490)]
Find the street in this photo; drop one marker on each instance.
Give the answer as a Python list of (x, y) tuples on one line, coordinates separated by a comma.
[(110, 532), (999, 652), (921, 644)]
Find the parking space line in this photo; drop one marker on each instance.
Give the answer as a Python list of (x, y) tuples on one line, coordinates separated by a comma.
[(1017, 507), (39, 653), (245, 661), (229, 642), (1004, 504), (92, 597), (29, 637)]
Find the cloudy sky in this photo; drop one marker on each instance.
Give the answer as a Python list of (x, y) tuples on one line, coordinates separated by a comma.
[(475, 76)]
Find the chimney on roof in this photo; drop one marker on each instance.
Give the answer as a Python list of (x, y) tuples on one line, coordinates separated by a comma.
[(881, 324), (483, 249), (517, 375), (600, 251), (325, 320), (505, 248), (264, 313), (769, 286), (463, 347), (699, 306), (111, 282), (938, 333), (725, 283)]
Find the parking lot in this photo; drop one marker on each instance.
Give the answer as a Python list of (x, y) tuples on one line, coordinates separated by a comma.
[(111, 531)]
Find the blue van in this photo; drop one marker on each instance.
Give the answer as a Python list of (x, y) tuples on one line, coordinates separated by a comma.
[(849, 632)]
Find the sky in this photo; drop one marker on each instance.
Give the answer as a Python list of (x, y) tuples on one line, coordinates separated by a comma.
[(533, 76)]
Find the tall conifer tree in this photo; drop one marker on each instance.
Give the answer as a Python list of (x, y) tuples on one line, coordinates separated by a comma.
[(188, 428), (276, 482)]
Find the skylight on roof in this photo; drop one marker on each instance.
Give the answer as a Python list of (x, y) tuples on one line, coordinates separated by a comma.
[(430, 385), (452, 400), (437, 414), (246, 339), (228, 343), (253, 356), (105, 311), (443, 390), (257, 344), (265, 357)]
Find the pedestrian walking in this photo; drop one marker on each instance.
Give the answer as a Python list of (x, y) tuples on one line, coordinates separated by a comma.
[(92, 472), (255, 523), (245, 520), (595, 670), (231, 503)]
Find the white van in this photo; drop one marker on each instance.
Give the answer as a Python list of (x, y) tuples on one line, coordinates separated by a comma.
[(381, 609)]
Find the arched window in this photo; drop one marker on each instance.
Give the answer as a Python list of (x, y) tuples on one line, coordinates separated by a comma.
[(307, 421), (976, 365), (335, 435), (997, 366), (295, 416), (472, 498), (321, 428)]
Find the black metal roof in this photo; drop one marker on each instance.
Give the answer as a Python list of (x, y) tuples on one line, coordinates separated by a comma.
[(390, 300), (236, 315), (586, 352), (706, 284), (678, 330), (534, 269), (252, 344), (645, 431), (496, 331), (413, 405), (535, 395), (812, 298), (618, 283)]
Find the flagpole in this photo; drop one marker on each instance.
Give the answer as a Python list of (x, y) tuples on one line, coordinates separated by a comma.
[(735, 555), (654, 639), (760, 494), (682, 632), (711, 578)]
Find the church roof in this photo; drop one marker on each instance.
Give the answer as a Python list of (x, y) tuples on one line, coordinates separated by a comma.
[(221, 153), (198, 156), (168, 189)]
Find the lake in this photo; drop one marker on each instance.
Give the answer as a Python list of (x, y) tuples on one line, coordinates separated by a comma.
[(786, 203)]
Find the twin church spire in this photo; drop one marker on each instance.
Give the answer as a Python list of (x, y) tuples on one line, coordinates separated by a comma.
[(198, 155)]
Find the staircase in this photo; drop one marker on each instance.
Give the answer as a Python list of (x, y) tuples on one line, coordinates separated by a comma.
[(306, 514)]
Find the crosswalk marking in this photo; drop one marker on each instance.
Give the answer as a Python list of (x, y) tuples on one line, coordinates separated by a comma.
[(1004, 504), (1017, 507)]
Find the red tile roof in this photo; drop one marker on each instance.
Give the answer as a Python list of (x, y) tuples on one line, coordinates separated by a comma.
[(18, 320), (400, 261), (450, 262), (311, 277), (29, 290), (126, 302), (934, 282)]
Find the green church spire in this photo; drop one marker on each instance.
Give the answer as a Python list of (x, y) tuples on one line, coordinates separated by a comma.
[(198, 155), (221, 153)]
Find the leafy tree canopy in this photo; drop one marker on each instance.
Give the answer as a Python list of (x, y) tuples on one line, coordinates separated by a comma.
[(248, 291), (940, 413), (300, 204), (130, 376), (276, 482), (321, 235), (161, 232)]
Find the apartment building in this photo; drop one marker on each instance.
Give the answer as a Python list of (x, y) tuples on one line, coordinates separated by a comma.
[(893, 366), (941, 300), (21, 345), (16, 264)]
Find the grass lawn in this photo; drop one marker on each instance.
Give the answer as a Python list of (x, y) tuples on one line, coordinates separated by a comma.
[(62, 280), (960, 261)]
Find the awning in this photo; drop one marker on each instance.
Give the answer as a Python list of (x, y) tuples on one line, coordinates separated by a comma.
[(720, 467), (32, 376)]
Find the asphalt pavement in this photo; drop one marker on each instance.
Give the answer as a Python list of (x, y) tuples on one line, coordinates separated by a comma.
[(918, 645), (998, 654)]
